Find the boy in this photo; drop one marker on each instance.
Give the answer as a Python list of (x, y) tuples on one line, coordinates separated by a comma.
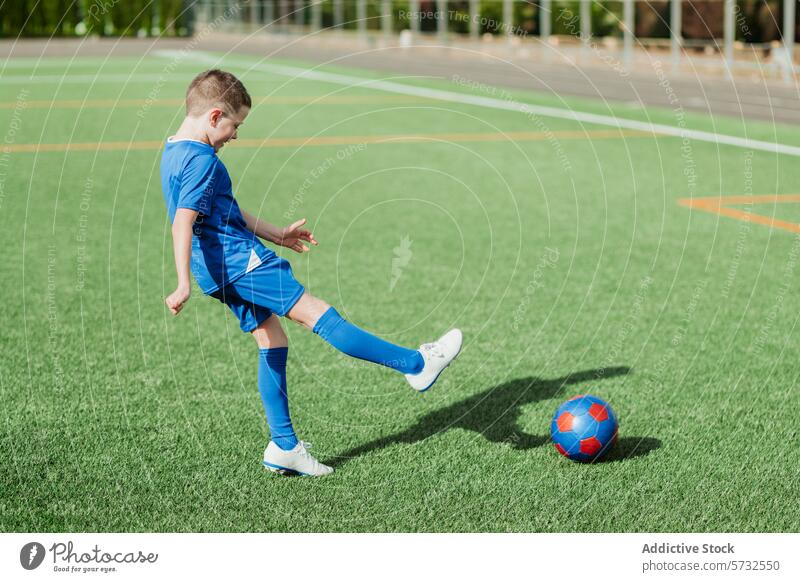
[(219, 243)]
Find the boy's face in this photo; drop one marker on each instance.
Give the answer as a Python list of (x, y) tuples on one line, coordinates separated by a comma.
[(224, 127)]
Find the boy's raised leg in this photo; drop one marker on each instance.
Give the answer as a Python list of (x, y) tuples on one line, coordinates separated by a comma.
[(421, 367)]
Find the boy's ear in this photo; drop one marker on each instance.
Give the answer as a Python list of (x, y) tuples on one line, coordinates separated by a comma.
[(214, 116)]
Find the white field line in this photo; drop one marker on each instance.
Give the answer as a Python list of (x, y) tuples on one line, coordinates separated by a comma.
[(493, 103), (99, 78), (60, 63)]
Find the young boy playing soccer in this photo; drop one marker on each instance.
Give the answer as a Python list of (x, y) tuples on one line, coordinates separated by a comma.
[(219, 244)]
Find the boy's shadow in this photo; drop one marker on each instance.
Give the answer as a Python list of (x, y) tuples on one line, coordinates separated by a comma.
[(493, 414)]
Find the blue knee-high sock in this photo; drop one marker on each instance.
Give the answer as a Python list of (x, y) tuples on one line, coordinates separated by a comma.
[(272, 386), (356, 342)]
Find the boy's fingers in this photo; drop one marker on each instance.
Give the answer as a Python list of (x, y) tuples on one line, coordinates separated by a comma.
[(175, 306), (298, 224)]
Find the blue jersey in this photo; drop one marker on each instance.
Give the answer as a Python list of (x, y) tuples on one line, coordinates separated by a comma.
[(223, 250)]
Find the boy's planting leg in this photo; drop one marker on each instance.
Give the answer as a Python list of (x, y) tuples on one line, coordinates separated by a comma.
[(421, 367), (285, 453)]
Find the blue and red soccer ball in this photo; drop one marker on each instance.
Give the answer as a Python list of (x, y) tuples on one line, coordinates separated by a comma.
[(584, 428)]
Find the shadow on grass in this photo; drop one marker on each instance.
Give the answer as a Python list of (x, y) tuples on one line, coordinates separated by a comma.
[(630, 447), (494, 413)]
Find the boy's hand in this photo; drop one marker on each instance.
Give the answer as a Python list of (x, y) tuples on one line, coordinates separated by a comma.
[(178, 298), (292, 237)]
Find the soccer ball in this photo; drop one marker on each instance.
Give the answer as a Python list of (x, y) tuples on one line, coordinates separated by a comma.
[(584, 428)]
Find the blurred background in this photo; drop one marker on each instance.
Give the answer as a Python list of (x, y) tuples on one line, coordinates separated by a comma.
[(727, 36)]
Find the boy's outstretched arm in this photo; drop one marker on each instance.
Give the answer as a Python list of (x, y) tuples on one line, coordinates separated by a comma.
[(182, 249), (291, 237)]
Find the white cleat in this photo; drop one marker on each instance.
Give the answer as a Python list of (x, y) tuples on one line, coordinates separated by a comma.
[(437, 356), (298, 461)]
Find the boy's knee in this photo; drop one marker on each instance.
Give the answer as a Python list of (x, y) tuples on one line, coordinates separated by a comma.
[(269, 334), (308, 310)]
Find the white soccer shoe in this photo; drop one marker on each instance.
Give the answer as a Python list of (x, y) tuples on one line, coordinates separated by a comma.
[(437, 356), (298, 461)]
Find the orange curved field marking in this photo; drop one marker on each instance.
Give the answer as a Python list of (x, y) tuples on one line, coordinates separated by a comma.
[(378, 139), (258, 100), (720, 205)]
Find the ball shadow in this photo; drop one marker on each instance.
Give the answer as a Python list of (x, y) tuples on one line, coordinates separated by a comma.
[(630, 448), (494, 413)]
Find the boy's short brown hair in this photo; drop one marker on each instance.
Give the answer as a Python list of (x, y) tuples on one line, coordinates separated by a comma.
[(215, 88)]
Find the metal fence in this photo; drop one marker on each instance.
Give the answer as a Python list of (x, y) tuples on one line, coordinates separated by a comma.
[(544, 21)]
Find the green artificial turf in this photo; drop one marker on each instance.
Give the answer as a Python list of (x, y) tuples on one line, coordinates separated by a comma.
[(567, 262)]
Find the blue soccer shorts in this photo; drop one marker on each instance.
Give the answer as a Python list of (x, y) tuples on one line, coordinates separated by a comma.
[(269, 288)]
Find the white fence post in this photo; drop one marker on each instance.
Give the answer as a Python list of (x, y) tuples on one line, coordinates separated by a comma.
[(413, 6), (586, 24), (386, 18), (545, 15), (474, 19), (269, 15), (338, 14), (316, 15), (789, 11), (586, 19), (508, 18), (361, 17), (284, 8), (252, 20), (442, 17), (675, 32), (627, 33), (728, 34)]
